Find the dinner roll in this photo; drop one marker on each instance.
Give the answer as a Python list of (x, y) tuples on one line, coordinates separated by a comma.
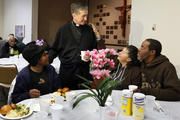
[(65, 90), (5, 109), (13, 106), (59, 90)]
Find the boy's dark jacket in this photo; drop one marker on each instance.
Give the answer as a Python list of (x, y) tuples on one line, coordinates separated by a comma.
[(23, 83)]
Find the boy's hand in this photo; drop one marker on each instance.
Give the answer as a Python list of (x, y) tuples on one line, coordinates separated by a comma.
[(34, 93)]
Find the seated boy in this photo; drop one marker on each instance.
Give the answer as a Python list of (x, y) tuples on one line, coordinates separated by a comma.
[(38, 78)]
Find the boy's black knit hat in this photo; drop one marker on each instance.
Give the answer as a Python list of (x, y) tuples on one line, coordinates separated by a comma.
[(32, 53)]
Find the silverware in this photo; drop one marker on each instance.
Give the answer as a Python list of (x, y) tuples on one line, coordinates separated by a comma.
[(159, 108)]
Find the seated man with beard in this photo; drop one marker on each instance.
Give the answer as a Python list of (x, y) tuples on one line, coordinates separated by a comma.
[(10, 48), (159, 77)]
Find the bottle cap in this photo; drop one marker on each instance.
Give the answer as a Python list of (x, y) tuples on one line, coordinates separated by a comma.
[(127, 93)]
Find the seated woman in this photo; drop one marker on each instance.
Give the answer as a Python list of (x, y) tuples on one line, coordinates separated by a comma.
[(38, 78), (128, 68)]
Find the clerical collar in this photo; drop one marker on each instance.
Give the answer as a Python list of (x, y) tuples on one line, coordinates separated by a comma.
[(77, 25)]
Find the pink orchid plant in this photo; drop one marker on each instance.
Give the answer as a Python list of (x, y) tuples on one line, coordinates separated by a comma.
[(101, 66), (101, 63)]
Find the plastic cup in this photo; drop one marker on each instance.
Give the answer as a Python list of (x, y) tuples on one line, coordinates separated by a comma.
[(56, 111), (70, 96), (82, 55), (149, 103), (116, 97), (132, 87), (44, 105), (59, 99)]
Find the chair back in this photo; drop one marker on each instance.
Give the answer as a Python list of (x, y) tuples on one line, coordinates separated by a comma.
[(11, 89), (7, 73)]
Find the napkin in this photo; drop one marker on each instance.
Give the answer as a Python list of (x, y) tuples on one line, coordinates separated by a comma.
[(35, 107)]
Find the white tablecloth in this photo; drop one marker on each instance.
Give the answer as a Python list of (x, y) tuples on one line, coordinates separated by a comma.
[(89, 110), (21, 62)]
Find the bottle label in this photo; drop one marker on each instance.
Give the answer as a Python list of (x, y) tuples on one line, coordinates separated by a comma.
[(138, 112), (126, 106), (125, 101)]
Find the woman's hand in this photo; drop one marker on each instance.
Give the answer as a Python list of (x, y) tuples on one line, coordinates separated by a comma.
[(94, 29)]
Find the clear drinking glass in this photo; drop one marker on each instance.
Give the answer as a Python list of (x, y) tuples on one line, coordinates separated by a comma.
[(56, 111), (149, 103), (44, 104)]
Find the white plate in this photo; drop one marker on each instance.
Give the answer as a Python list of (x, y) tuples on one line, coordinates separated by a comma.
[(30, 112)]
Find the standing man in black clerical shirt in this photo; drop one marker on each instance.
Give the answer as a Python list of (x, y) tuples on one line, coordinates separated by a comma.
[(71, 39)]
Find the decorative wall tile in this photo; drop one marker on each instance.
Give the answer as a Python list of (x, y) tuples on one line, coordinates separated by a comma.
[(107, 36), (115, 36), (104, 23), (115, 27), (107, 20), (100, 19)]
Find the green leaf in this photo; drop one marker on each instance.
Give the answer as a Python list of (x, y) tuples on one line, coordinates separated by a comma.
[(84, 93), (90, 89), (100, 92), (96, 83), (88, 81), (95, 86), (101, 84), (82, 98), (111, 84), (84, 85)]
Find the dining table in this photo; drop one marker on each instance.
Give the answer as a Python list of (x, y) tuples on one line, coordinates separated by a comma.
[(88, 109), (20, 62)]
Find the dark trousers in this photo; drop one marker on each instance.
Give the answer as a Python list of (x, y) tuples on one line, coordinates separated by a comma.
[(68, 75), (3, 95)]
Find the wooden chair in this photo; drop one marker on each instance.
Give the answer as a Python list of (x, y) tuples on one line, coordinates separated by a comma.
[(7, 74), (11, 89)]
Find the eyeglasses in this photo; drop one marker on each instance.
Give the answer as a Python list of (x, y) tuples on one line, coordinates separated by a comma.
[(46, 52)]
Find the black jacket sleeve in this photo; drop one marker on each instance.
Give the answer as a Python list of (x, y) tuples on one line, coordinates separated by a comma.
[(55, 49)]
